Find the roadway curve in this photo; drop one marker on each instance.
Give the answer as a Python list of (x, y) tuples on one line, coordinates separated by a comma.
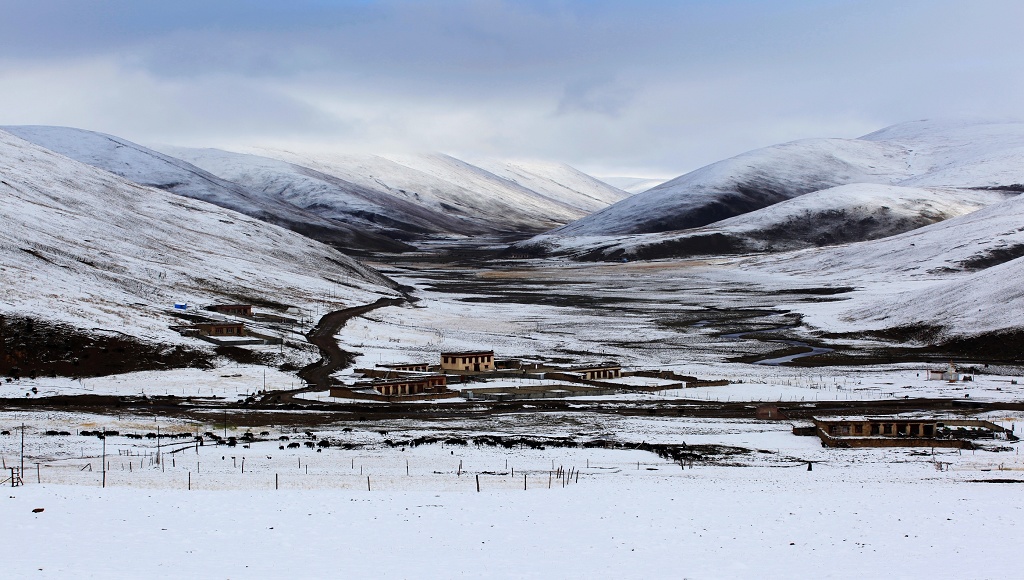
[(332, 358)]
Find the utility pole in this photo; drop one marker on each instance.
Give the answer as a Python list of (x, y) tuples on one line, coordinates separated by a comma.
[(105, 460), (23, 450)]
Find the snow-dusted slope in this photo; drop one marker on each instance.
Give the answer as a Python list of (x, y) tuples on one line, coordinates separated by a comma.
[(148, 167), (558, 181), (990, 301), (82, 246), (959, 153), (847, 213), (746, 183), (632, 185), (962, 276), (325, 195), (970, 156), (978, 240), (463, 191)]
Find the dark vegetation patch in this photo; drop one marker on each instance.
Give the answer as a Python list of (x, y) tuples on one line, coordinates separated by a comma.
[(1013, 187), (680, 452), (31, 348), (787, 351), (825, 291), (923, 343), (37, 255), (245, 356), (992, 257), (712, 244), (239, 298)]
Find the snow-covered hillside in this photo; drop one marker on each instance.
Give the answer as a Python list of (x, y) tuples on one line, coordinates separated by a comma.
[(963, 276), (148, 167), (746, 183), (847, 213), (325, 195), (533, 197), (558, 181), (921, 154), (82, 246)]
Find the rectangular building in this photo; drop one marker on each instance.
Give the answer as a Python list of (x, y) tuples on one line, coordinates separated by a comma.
[(221, 329), (411, 385), (474, 361), (233, 309), (406, 367), (596, 372)]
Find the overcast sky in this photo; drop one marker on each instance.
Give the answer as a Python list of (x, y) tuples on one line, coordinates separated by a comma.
[(615, 88)]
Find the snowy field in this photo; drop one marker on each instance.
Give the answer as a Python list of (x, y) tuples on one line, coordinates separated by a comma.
[(229, 380), (869, 513)]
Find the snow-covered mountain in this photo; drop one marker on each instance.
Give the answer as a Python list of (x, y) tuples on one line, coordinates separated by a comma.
[(84, 247), (148, 167), (952, 159), (848, 213), (746, 183), (962, 277), (515, 198), (632, 185), (326, 195)]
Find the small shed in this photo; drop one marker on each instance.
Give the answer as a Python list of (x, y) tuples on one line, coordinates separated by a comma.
[(769, 413)]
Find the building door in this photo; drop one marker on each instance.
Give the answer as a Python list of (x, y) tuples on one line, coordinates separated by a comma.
[(476, 367)]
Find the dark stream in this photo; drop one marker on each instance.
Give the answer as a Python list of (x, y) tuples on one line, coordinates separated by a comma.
[(815, 350)]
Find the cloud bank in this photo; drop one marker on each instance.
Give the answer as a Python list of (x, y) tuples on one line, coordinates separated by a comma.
[(643, 88)]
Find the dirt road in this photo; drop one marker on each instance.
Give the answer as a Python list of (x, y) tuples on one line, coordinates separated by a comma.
[(318, 375)]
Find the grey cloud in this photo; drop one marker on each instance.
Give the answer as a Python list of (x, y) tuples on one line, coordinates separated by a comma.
[(606, 85), (602, 96)]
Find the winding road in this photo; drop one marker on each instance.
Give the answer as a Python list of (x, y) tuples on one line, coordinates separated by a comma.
[(332, 357)]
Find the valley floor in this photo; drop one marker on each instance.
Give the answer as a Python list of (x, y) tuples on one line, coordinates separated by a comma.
[(394, 493)]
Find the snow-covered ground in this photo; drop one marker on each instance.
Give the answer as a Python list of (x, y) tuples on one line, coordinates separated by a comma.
[(228, 380), (296, 512)]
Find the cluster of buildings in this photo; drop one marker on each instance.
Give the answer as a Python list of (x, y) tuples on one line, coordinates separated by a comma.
[(423, 380), (223, 330)]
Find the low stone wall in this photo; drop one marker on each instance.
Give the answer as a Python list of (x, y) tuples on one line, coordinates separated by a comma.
[(850, 442), (665, 375), (546, 392), (346, 393)]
